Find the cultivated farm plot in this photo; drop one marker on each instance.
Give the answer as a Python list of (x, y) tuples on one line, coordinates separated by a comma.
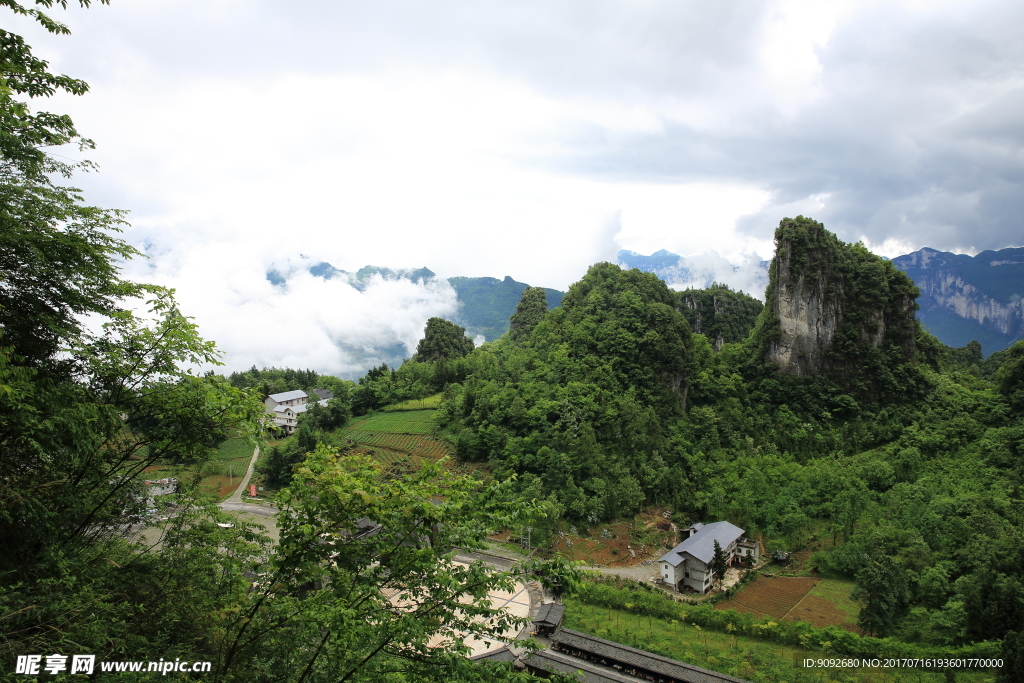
[(233, 448), (769, 597), (398, 435), (410, 444), (405, 422), (829, 604), (821, 602)]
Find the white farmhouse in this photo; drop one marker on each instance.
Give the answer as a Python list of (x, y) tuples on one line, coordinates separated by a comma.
[(287, 406), (689, 563)]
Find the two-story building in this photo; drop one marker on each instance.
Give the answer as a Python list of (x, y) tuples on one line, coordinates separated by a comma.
[(287, 406), (688, 565)]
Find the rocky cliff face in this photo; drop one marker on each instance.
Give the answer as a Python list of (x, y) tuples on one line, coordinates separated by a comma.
[(965, 297), (807, 316), (835, 308)]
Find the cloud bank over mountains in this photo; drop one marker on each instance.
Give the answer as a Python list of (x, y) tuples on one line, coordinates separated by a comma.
[(699, 271), (301, 311), (304, 321), (528, 139)]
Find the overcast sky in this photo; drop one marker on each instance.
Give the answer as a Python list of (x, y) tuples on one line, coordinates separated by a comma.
[(528, 139)]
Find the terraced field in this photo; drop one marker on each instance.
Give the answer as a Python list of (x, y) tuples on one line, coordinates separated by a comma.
[(398, 435), (406, 422)]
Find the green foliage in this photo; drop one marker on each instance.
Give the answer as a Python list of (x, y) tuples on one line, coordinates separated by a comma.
[(718, 565), (327, 416), (1012, 655), (1010, 377), (719, 313), (442, 340), (586, 405), (74, 449), (882, 586), (58, 257), (529, 312), (967, 358), (277, 380), (363, 575)]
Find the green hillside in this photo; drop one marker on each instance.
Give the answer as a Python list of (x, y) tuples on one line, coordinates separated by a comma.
[(488, 303)]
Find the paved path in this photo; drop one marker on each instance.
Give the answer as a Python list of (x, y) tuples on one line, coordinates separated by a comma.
[(237, 504), (236, 497)]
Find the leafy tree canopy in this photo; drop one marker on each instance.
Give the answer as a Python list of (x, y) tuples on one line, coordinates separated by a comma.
[(442, 340), (530, 311)]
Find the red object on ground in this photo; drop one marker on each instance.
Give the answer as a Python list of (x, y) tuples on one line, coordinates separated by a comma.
[(252, 490)]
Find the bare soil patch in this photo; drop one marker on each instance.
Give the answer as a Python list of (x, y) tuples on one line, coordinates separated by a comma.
[(771, 597)]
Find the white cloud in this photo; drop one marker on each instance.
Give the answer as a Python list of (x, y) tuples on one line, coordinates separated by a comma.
[(529, 139), (310, 322)]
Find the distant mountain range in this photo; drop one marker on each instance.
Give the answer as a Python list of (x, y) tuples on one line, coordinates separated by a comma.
[(485, 303), (965, 298)]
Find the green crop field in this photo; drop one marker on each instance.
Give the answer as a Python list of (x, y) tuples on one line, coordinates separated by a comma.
[(397, 435), (415, 404), (233, 448), (406, 422), (412, 444)]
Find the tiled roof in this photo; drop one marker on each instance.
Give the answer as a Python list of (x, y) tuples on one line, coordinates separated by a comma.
[(502, 654), (550, 613), (558, 662), (702, 544), (649, 661), (288, 395)]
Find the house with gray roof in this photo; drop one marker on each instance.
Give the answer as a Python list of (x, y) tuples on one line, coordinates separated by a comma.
[(688, 565), (288, 405)]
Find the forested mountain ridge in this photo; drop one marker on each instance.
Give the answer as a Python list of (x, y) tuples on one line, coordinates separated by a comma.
[(966, 298), (576, 406), (963, 298), (487, 303)]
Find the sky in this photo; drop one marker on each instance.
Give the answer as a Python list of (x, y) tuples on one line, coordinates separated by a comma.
[(527, 138)]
